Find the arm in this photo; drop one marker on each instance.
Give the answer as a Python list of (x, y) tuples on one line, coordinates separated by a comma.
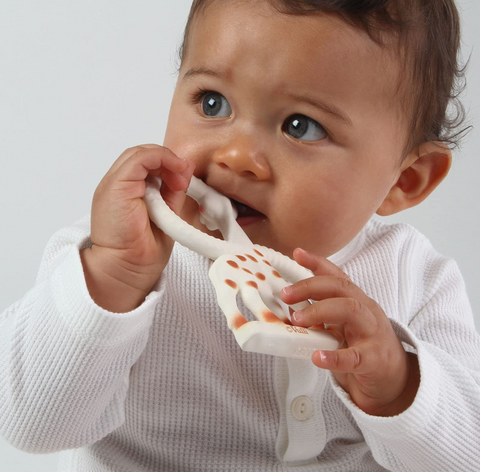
[(64, 360), (439, 431)]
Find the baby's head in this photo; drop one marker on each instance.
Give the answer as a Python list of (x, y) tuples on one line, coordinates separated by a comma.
[(317, 113)]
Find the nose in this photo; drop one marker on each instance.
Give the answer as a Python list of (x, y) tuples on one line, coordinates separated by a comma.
[(243, 157)]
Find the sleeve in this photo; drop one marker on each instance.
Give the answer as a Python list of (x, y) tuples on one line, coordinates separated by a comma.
[(64, 361), (440, 431)]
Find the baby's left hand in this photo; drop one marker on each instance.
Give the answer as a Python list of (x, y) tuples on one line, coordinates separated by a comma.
[(373, 367)]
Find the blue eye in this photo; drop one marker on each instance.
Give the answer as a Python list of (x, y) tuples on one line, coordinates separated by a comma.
[(303, 127), (215, 104), (299, 126)]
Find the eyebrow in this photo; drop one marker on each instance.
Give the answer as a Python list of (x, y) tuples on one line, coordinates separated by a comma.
[(326, 107), (317, 103), (203, 70)]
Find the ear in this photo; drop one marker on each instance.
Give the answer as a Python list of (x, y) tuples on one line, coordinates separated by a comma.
[(420, 173)]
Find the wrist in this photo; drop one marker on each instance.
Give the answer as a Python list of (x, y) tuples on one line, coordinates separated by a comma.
[(407, 397), (111, 285)]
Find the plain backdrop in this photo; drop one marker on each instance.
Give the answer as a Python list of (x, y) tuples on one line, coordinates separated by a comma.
[(80, 82)]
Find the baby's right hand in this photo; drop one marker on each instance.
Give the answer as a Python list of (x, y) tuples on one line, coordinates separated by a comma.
[(128, 251)]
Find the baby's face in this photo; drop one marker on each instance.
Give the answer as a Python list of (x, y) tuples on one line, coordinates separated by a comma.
[(317, 173)]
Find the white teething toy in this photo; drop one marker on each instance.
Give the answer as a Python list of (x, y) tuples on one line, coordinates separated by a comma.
[(259, 273)]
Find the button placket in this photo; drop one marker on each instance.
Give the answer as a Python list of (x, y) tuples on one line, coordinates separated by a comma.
[(302, 439)]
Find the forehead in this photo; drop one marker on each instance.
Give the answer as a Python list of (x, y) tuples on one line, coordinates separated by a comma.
[(251, 40)]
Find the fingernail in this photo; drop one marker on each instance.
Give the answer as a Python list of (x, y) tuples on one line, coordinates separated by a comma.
[(287, 290), (297, 316), (306, 253)]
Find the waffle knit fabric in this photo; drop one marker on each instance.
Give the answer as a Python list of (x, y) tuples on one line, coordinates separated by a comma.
[(165, 387)]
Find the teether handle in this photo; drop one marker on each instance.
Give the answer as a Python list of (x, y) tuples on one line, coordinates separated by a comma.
[(284, 340)]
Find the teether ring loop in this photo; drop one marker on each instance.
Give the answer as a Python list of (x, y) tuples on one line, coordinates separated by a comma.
[(258, 273)]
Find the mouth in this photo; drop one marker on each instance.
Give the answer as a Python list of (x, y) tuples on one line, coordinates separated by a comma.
[(246, 214)]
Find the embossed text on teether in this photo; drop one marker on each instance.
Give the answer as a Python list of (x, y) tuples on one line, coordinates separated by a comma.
[(304, 351), (296, 329)]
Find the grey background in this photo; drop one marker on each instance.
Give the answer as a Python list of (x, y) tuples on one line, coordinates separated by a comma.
[(81, 82)]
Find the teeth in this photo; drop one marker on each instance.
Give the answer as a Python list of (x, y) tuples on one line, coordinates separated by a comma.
[(244, 210)]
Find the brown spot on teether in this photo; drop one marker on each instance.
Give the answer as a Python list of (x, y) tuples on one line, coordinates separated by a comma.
[(252, 258), (238, 321), (246, 270), (253, 284), (231, 283), (243, 259), (233, 264), (266, 262), (276, 274), (260, 276), (270, 317), (259, 253)]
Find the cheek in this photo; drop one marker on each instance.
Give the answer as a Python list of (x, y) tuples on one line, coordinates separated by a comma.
[(305, 205), (185, 143), (322, 206), (319, 192), (178, 135), (186, 139)]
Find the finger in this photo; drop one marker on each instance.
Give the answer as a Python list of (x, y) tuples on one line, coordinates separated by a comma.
[(335, 330), (144, 160), (359, 320), (176, 181), (322, 287), (319, 265), (176, 199), (121, 159), (127, 154), (353, 360)]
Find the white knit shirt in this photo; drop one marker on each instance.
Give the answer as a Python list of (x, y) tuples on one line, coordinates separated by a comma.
[(165, 387)]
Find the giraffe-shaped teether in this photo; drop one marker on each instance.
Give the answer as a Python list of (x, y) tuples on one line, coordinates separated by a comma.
[(256, 272)]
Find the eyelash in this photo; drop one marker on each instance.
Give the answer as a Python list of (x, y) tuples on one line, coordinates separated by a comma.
[(197, 96)]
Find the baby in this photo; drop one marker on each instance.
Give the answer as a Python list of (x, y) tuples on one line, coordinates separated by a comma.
[(312, 116)]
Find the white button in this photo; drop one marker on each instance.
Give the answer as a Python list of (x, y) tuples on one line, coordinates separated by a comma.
[(301, 408)]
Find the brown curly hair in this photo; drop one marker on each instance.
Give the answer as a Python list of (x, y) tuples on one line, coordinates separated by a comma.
[(427, 34)]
